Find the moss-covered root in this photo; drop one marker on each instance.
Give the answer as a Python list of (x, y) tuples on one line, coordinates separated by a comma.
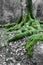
[(26, 23), (22, 29), (18, 26), (36, 24), (25, 19), (21, 34), (31, 41), (18, 36), (13, 24), (14, 28)]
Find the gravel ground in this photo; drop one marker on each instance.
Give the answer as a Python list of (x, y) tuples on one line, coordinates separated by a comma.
[(14, 54)]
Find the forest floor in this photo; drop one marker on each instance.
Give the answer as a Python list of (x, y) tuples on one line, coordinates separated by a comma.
[(15, 54)]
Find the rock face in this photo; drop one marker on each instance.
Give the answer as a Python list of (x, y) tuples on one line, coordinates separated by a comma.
[(11, 9), (38, 9), (38, 53)]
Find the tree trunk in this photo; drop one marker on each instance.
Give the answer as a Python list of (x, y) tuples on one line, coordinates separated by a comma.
[(29, 7)]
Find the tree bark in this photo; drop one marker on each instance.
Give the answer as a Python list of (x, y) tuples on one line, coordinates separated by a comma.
[(29, 7)]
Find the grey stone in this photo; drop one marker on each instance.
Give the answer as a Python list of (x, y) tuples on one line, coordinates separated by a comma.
[(38, 53)]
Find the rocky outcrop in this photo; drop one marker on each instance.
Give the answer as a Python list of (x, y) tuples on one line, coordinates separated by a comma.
[(9, 9)]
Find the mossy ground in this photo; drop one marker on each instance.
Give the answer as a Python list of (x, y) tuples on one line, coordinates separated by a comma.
[(26, 27)]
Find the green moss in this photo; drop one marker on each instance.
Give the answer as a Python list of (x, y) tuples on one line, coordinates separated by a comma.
[(36, 24), (31, 41), (23, 33)]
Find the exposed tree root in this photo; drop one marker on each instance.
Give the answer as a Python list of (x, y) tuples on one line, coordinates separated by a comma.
[(31, 41), (27, 27), (32, 22), (22, 34)]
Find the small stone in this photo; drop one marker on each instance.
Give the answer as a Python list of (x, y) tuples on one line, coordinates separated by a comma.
[(10, 43), (0, 55), (15, 42), (22, 53), (18, 63), (4, 63)]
